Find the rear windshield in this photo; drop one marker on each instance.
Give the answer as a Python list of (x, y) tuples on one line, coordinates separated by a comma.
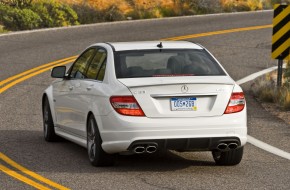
[(165, 63)]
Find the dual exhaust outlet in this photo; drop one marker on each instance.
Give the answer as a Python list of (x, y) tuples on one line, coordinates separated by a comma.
[(151, 148), (227, 146), (145, 149)]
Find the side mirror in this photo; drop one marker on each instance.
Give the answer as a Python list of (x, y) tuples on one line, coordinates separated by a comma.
[(58, 72)]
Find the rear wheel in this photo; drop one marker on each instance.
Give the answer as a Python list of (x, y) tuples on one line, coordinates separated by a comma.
[(48, 126), (97, 156), (228, 158)]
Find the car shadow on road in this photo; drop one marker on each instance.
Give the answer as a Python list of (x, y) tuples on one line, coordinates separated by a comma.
[(161, 161), (29, 149)]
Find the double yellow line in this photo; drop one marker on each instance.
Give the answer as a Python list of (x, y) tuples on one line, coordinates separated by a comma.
[(6, 84), (218, 32), (11, 81), (18, 168)]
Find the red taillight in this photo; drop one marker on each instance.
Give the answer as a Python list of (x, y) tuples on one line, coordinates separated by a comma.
[(126, 105), (237, 103)]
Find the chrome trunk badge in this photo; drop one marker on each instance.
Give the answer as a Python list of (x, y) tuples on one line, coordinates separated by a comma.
[(184, 88)]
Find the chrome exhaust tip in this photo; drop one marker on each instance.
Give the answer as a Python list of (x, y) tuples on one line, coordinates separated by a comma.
[(222, 146), (139, 149), (232, 146), (151, 149)]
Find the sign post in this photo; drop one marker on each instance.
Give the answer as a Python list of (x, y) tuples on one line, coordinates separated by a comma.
[(281, 37), (280, 70)]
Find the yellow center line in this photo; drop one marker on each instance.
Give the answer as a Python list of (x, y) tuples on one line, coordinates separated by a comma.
[(218, 32), (35, 69), (31, 75), (28, 172), (22, 178)]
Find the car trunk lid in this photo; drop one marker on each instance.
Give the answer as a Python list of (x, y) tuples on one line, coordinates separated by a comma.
[(196, 96)]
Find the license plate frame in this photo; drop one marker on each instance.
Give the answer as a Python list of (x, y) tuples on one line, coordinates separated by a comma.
[(183, 104)]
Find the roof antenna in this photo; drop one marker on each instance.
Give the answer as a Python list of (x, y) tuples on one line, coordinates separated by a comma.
[(160, 45)]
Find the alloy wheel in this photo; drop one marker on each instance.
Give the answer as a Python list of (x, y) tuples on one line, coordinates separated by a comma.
[(92, 139), (45, 118)]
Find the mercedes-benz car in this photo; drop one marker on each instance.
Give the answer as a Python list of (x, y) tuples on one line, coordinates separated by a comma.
[(144, 97)]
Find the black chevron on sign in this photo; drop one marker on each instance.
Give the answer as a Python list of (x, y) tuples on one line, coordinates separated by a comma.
[(280, 25), (278, 10), (281, 40)]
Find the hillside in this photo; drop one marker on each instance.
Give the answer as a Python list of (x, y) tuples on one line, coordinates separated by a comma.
[(32, 14)]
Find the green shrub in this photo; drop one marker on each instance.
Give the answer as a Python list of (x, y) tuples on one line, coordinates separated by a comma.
[(40, 14), (18, 19), (42, 11), (70, 15), (55, 14)]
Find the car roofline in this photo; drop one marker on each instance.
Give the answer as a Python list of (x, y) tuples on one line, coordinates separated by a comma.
[(146, 45)]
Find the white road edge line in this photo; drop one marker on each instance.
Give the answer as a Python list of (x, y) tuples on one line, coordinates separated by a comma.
[(268, 147), (251, 139), (255, 75)]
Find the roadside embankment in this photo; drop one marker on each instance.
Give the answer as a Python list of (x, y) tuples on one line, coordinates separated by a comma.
[(34, 14)]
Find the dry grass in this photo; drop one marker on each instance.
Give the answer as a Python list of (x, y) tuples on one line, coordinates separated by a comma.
[(128, 5), (265, 89), (138, 9)]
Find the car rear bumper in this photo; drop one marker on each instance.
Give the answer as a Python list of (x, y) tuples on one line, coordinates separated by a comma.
[(120, 133)]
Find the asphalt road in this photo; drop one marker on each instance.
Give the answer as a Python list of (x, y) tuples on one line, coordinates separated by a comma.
[(241, 53)]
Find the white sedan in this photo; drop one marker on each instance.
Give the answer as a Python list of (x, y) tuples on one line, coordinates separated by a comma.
[(143, 97)]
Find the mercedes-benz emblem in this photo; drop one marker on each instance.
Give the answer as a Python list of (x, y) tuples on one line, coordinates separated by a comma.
[(184, 89)]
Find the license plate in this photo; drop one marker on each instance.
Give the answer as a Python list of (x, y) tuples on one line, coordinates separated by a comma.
[(183, 104)]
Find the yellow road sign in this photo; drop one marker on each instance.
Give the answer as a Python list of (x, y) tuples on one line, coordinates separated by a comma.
[(281, 32)]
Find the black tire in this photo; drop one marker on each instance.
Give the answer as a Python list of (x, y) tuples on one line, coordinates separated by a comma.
[(48, 126), (97, 156), (228, 158)]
